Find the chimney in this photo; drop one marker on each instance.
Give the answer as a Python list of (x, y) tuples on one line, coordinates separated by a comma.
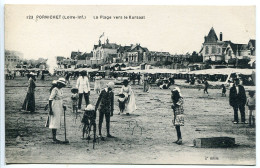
[(220, 36)]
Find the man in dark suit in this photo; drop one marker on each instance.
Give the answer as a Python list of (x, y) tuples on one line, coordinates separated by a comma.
[(237, 99), (105, 105)]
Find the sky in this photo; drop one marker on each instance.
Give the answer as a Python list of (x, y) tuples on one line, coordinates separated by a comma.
[(174, 29)]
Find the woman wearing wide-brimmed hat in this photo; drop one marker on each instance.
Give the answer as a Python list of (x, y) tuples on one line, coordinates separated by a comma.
[(130, 98), (53, 85), (29, 102), (56, 107), (178, 112)]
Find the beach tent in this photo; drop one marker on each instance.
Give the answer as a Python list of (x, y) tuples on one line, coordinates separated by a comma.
[(222, 71), (153, 71), (253, 77)]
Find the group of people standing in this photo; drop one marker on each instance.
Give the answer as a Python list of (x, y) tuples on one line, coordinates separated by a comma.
[(104, 104), (126, 100), (238, 100)]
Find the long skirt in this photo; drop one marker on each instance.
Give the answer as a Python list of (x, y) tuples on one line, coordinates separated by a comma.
[(97, 86), (29, 102), (146, 86), (178, 116), (55, 119), (130, 104)]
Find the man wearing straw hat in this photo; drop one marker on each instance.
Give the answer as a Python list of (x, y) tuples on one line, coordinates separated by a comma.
[(105, 105)]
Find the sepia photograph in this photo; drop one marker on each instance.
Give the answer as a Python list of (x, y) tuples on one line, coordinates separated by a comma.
[(129, 84)]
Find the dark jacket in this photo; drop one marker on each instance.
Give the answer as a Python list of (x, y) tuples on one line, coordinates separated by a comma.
[(236, 99), (105, 102)]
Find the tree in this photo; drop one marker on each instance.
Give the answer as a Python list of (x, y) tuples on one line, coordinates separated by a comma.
[(243, 63), (167, 63), (158, 64), (195, 57), (232, 61), (208, 64)]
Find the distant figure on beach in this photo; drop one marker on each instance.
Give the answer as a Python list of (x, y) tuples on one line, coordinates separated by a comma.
[(164, 84), (223, 90), (237, 99), (178, 112), (97, 85), (171, 81), (29, 102), (133, 78), (6, 75), (42, 77), (251, 108), (192, 81), (67, 77), (38, 73), (138, 78), (146, 83), (130, 98), (206, 85)]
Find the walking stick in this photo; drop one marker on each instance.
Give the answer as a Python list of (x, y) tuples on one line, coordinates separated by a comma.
[(66, 141)]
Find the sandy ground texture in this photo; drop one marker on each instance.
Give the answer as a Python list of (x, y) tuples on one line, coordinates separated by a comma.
[(28, 141)]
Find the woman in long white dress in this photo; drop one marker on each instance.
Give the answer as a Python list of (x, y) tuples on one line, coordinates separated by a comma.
[(130, 97), (56, 107)]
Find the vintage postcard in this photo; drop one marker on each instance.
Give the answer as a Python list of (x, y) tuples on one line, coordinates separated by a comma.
[(122, 84)]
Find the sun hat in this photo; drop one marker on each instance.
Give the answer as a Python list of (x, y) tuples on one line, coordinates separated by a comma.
[(122, 95), (110, 85), (31, 73), (90, 108), (62, 80), (54, 82)]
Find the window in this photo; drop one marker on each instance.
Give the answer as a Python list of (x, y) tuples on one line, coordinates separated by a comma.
[(219, 50), (229, 53), (149, 58), (207, 50), (214, 49)]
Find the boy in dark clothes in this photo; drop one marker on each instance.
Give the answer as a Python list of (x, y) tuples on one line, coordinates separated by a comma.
[(105, 105)]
